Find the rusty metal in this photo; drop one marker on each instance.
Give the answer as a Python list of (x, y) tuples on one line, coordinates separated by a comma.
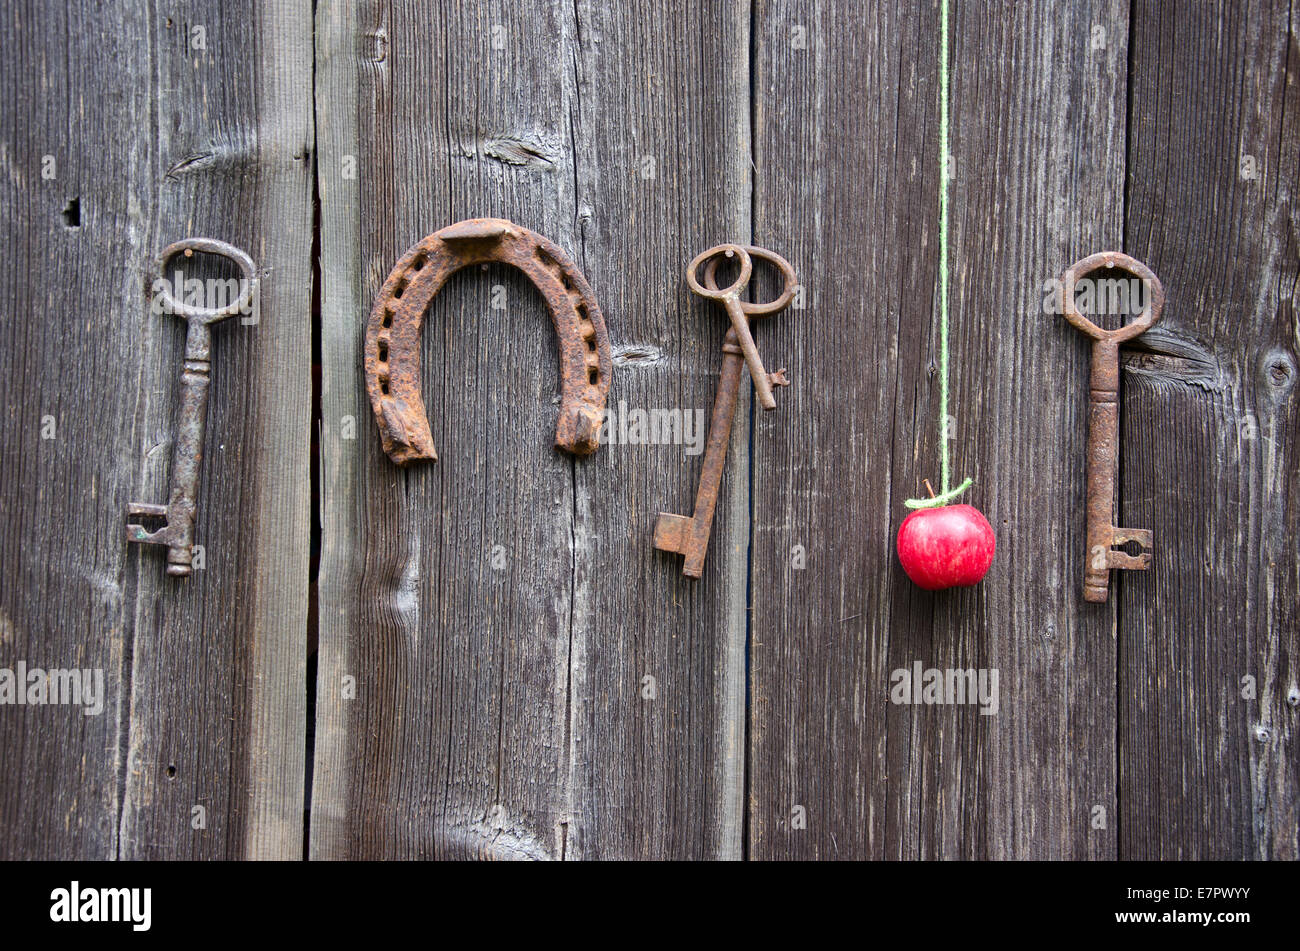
[(689, 535), (392, 347), (181, 510), (729, 297), (1104, 539)]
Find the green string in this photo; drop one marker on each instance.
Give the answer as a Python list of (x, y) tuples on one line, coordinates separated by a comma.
[(946, 492)]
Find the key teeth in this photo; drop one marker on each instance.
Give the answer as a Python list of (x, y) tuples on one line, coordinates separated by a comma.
[(1123, 560), (671, 531), (141, 535), (135, 532), (1122, 536), (1116, 558), (146, 508)]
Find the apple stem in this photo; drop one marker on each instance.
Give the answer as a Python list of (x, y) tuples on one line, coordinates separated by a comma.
[(929, 488), (943, 498)]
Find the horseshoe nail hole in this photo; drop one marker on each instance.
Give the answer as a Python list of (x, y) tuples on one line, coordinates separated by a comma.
[(383, 351), (383, 385), (397, 291), (545, 258), (568, 284), (388, 318), (419, 262), (593, 375), (591, 344)]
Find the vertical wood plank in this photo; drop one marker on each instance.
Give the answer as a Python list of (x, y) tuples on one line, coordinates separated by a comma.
[(847, 186), (1209, 759), (498, 710), (69, 366), (218, 695), (664, 173), (194, 120)]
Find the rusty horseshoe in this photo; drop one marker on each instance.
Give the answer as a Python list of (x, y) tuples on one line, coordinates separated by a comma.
[(392, 347)]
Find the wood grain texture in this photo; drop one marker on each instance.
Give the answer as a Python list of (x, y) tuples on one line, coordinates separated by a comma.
[(1210, 435), (68, 353), (500, 610), (507, 668), (189, 121), (847, 150)]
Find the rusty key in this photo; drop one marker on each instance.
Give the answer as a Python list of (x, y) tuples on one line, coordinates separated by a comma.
[(1104, 539), (729, 297), (182, 501), (689, 536)]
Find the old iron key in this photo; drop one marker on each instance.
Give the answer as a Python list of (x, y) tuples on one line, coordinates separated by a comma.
[(1103, 536), (729, 297), (187, 451), (689, 536)]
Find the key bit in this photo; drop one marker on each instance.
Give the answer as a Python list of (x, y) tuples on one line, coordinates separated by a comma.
[(1104, 539), (689, 535), (181, 510)]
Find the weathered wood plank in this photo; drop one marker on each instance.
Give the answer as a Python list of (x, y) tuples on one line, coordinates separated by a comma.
[(218, 712), (161, 126), (69, 367), (502, 613), (664, 172), (1210, 435), (498, 710), (847, 186)]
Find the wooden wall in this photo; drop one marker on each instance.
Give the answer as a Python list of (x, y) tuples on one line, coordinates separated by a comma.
[(501, 664)]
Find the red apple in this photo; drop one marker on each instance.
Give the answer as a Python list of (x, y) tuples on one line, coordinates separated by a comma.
[(946, 546)]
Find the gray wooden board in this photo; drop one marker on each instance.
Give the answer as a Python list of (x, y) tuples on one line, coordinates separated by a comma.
[(161, 124), (531, 679), (847, 146), (499, 611), (1209, 760)]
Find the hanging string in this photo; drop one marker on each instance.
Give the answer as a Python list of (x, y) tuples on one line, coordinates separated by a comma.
[(946, 492)]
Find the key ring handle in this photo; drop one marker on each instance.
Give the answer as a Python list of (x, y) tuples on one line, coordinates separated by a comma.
[(1106, 260), (786, 269), (207, 315), (713, 255)]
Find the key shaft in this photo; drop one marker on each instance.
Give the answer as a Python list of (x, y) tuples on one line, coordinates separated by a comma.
[(181, 511), (1103, 460), (740, 333), (690, 536), (1102, 534)]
